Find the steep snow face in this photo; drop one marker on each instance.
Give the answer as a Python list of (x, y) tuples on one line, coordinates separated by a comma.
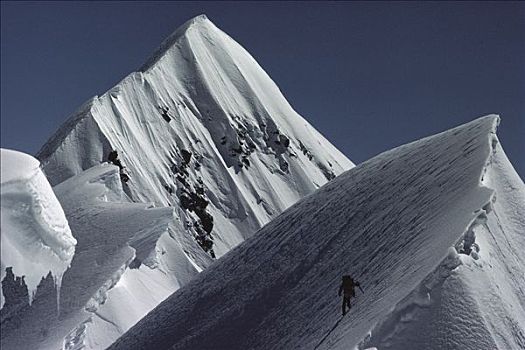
[(111, 233), (405, 225), (201, 128), (35, 234), (476, 301), (204, 129)]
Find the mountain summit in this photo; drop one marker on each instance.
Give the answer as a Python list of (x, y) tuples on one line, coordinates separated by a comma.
[(202, 122), (169, 42), (200, 129)]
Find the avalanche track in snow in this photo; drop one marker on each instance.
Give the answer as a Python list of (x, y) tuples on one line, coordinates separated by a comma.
[(433, 230)]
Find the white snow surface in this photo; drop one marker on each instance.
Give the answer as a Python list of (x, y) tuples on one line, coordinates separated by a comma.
[(225, 110), (401, 224), (251, 157), (35, 235), (111, 232)]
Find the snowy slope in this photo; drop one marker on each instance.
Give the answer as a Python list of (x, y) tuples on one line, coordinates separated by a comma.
[(481, 304), (201, 117), (202, 129), (111, 232), (397, 223), (35, 235)]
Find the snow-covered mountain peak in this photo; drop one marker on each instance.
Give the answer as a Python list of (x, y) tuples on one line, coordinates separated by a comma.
[(203, 119), (200, 22), (203, 130)]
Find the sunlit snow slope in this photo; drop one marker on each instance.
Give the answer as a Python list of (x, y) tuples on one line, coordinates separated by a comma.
[(110, 232), (201, 128), (201, 118), (433, 230), (35, 235)]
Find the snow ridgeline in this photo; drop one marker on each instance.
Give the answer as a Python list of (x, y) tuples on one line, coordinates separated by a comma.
[(35, 235), (396, 223), (111, 232), (474, 301), (203, 130)]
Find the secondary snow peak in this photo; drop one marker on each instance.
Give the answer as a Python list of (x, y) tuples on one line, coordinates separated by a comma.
[(402, 223)]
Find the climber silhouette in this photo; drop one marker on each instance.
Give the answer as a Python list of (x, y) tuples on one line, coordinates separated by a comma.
[(347, 288)]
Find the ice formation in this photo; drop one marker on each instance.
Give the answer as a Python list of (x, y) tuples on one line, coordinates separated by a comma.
[(111, 233), (35, 234)]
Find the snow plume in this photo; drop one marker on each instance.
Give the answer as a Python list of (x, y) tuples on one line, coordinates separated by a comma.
[(393, 223), (35, 234)]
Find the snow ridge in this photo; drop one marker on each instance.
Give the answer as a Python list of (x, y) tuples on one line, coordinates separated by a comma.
[(202, 129), (393, 222), (172, 40), (461, 298), (406, 310)]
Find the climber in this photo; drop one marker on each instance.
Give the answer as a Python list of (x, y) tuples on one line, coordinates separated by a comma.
[(347, 288)]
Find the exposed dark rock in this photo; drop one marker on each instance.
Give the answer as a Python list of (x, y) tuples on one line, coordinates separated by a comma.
[(192, 198), (113, 158), (284, 140), (206, 244), (200, 201), (169, 189), (206, 220), (15, 291), (181, 179), (305, 151), (200, 190), (186, 156), (186, 202), (328, 173), (135, 264), (283, 164), (165, 114), (124, 177)]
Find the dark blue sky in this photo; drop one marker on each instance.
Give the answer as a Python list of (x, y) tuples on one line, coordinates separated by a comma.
[(370, 76)]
